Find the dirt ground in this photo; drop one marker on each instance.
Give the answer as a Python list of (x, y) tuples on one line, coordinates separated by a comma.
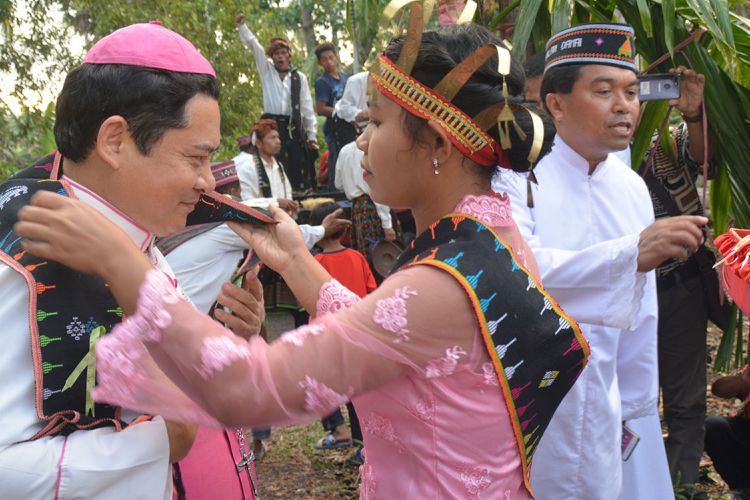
[(294, 469)]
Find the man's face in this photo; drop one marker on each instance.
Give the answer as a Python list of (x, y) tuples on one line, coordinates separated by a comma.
[(328, 61), (158, 191), (271, 143), (533, 87), (282, 59), (600, 114)]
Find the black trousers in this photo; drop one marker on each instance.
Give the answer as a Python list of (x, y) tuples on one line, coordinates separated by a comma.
[(297, 159), (728, 445), (682, 373)]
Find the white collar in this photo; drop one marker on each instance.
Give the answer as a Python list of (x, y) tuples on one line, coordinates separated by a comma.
[(568, 155), (266, 165), (140, 236)]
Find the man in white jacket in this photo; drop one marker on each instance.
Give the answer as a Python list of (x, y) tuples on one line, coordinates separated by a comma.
[(591, 225)]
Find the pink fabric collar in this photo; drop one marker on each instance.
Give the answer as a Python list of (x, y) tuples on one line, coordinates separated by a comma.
[(493, 209), (149, 45)]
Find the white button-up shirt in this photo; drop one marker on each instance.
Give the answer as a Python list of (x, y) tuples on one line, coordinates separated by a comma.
[(584, 231), (277, 93), (96, 464), (250, 183), (354, 98), (349, 179)]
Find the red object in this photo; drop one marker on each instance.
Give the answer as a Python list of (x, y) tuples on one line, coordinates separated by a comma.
[(350, 269), (323, 170), (734, 246)]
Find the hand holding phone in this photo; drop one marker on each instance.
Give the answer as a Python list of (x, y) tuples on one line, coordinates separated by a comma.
[(659, 86)]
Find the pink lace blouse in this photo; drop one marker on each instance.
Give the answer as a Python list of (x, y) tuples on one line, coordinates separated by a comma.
[(410, 356)]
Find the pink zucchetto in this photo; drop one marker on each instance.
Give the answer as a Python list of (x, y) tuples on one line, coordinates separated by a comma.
[(149, 45)]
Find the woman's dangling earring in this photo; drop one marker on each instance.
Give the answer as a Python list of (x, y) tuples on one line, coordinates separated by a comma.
[(436, 165)]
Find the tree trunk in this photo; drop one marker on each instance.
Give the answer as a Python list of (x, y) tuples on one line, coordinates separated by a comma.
[(308, 30)]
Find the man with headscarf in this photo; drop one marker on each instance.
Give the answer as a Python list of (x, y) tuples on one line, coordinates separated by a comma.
[(287, 100)]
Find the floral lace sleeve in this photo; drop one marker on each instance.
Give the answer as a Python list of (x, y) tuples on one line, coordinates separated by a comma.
[(169, 359), (333, 297)]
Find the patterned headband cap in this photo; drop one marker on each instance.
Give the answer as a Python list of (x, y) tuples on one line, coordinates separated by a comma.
[(601, 43), (468, 134), (224, 173)]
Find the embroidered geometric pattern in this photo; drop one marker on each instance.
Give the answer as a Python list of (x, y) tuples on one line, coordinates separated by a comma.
[(67, 309), (537, 351)]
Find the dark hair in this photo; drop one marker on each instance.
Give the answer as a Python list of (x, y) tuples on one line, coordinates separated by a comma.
[(534, 66), (559, 80), (324, 47), (151, 101), (441, 50), (320, 212)]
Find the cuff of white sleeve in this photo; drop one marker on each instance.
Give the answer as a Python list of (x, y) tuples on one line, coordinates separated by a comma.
[(628, 284)]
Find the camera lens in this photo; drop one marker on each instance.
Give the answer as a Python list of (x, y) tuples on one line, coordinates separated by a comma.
[(667, 86)]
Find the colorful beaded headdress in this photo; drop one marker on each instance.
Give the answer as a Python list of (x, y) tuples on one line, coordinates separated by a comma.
[(468, 134)]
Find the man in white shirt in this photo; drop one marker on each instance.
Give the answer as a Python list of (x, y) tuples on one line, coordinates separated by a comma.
[(263, 179), (286, 99), (352, 107), (349, 179), (591, 226), (134, 144)]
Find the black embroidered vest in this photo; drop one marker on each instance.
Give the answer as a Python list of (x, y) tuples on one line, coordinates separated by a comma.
[(537, 351), (69, 311)]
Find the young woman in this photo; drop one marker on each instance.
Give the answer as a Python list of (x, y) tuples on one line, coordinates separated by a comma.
[(455, 363)]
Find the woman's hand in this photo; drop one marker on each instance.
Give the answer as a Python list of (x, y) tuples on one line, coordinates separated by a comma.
[(76, 235), (277, 245)]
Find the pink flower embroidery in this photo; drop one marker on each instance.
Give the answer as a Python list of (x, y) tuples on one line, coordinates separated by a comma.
[(493, 209), (447, 364), (151, 317), (219, 352), (298, 336), (381, 427), (476, 480), (424, 409), (319, 398), (391, 313), (490, 377), (334, 297), (368, 481), (120, 375)]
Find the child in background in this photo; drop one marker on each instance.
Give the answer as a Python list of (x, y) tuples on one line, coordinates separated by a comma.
[(351, 269)]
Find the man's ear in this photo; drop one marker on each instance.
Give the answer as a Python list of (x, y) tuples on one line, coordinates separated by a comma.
[(442, 147), (113, 140), (556, 105)]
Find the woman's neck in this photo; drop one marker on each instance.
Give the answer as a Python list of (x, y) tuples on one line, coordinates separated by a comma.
[(447, 195)]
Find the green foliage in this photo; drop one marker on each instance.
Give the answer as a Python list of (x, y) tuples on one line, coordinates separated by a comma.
[(26, 137), (36, 50)]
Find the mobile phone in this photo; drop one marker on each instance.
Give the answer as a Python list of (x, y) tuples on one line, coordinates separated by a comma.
[(629, 442), (659, 86)]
